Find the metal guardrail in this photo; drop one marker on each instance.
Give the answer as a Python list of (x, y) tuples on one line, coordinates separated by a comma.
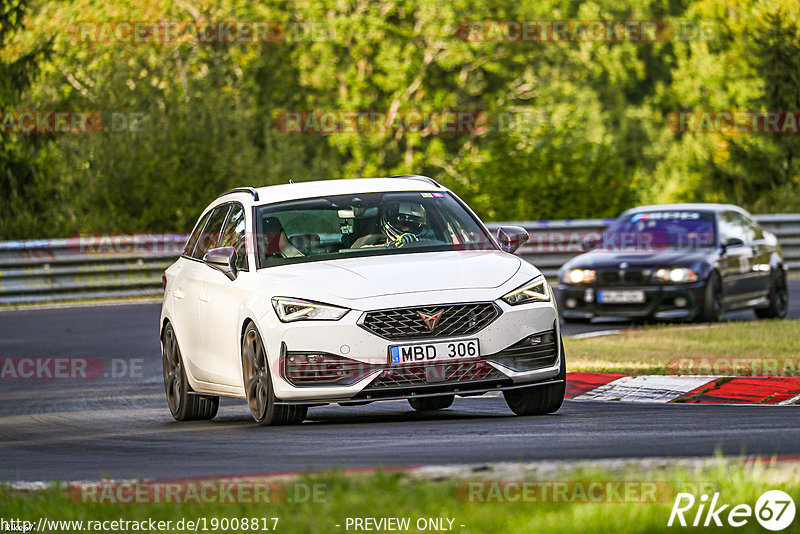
[(89, 267), (116, 266)]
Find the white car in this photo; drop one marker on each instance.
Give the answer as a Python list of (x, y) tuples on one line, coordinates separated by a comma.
[(354, 291)]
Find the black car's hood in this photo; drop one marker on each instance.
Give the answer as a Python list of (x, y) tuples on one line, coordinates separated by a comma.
[(599, 259)]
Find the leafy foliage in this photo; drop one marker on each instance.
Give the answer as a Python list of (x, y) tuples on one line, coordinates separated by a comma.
[(565, 129), (22, 188)]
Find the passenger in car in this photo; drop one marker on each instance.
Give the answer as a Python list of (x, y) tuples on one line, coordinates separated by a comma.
[(276, 242)]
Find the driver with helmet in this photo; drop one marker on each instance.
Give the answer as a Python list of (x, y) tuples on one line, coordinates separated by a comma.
[(402, 223)]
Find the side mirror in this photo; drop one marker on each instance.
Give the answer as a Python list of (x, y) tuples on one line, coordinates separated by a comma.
[(511, 238), (732, 242), (222, 259)]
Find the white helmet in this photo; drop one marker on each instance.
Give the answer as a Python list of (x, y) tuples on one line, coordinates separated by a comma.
[(404, 218)]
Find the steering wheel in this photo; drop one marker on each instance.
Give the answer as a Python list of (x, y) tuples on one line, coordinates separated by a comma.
[(402, 240)]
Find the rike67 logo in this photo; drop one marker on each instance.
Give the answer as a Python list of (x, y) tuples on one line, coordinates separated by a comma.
[(774, 510)]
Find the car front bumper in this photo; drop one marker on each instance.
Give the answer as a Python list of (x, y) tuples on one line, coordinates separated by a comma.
[(347, 338), (679, 302)]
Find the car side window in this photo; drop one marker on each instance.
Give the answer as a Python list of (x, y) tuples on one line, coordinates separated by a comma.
[(195, 236), (732, 224), (233, 235), (209, 237), (746, 226), (755, 229)]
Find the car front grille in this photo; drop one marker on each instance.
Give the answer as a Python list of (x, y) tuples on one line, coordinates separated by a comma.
[(434, 373), (624, 307), (534, 352), (451, 320), (622, 277)]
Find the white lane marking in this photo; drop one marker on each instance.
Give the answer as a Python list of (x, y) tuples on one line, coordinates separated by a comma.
[(600, 333), (617, 331), (793, 400), (648, 388)]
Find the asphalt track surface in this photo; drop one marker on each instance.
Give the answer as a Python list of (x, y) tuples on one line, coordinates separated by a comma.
[(68, 429)]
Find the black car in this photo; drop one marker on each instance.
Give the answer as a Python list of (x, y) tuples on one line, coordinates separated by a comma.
[(677, 261)]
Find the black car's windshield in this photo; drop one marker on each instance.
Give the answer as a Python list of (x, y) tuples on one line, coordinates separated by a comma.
[(651, 230), (364, 225)]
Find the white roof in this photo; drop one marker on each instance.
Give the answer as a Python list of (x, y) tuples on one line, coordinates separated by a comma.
[(709, 206), (279, 193)]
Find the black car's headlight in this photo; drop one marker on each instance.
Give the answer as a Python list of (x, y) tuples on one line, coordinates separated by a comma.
[(675, 275), (536, 290), (290, 310), (578, 276)]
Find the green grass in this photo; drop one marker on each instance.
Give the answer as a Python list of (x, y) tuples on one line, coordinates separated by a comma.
[(737, 348), (386, 494)]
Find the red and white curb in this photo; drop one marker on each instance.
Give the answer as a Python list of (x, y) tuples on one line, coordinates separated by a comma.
[(772, 390)]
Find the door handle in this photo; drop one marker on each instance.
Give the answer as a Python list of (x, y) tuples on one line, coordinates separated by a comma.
[(204, 296), (179, 293)]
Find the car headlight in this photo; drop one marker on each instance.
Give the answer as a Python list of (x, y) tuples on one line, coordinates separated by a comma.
[(534, 291), (289, 310), (578, 276), (676, 275)]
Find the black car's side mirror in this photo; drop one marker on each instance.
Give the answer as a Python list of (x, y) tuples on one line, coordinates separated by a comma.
[(732, 242), (222, 259), (511, 238)]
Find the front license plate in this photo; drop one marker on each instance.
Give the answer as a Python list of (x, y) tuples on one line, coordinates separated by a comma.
[(433, 352), (620, 297)]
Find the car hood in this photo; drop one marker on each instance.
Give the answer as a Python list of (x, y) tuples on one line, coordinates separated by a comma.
[(357, 278), (599, 259)]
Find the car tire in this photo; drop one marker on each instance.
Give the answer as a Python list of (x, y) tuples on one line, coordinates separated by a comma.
[(778, 298), (427, 404), (539, 400), (711, 311), (184, 404), (257, 381)]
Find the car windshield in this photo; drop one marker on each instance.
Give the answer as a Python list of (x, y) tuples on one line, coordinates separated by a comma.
[(650, 230), (365, 224)]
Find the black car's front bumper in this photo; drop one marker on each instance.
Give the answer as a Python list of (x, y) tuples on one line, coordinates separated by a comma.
[(679, 302)]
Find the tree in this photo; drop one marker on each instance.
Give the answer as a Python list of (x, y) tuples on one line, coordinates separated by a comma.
[(22, 192), (765, 168)]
